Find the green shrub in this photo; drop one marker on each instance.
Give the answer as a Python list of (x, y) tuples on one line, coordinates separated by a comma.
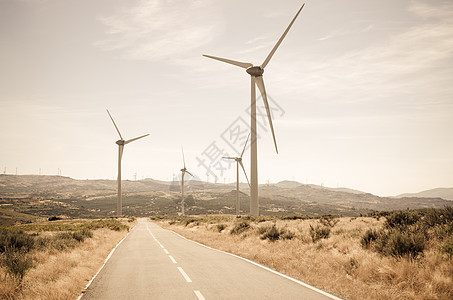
[(16, 263), (448, 249), (369, 237), (328, 220), (15, 240), (269, 232), (402, 219), (220, 227), (403, 244), (273, 233), (319, 232), (81, 235), (240, 227)]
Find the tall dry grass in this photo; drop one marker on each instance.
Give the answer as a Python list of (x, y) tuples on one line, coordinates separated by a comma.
[(61, 274), (338, 264)]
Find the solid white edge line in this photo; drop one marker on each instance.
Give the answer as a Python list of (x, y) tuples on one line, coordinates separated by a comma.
[(172, 259), (264, 267), (199, 295), (186, 277), (105, 261)]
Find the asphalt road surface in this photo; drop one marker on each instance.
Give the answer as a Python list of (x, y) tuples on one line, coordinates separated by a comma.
[(154, 263)]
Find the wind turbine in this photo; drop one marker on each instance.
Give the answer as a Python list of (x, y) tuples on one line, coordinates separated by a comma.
[(239, 162), (183, 171), (256, 74), (121, 142)]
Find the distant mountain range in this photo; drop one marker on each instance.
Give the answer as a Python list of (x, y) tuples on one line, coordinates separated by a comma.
[(41, 195), (444, 193)]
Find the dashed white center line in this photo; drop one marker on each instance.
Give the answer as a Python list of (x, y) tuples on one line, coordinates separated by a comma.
[(186, 277), (172, 259), (184, 274), (199, 295)]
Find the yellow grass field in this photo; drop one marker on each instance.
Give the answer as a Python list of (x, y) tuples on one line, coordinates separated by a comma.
[(337, 264), (61, 274)]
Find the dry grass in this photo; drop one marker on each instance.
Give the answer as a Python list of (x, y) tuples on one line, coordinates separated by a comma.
[(61, 274), (337, 264)]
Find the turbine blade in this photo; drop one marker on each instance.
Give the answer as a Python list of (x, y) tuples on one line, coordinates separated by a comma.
[(189, 173), (245, 145), (245, 173), (232, 62), (134, 139), (114, 124), (183, 160), (268, 58), (260, 83), (227, 157)]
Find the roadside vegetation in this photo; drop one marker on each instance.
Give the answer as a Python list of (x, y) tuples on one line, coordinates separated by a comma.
[(404, 254), (54, 259)]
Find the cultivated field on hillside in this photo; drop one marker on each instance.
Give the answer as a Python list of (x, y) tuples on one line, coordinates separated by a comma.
[(55, 259), (391, 255)]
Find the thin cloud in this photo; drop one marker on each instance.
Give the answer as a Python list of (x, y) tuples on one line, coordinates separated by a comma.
[(420, 51), (156, 29)]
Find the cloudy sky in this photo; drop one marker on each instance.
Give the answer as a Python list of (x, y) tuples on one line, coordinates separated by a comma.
[(361, 91)]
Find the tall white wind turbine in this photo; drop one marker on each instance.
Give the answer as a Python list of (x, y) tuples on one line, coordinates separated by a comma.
[(239, 162), (183, 171), (256, 74), (121, 142)]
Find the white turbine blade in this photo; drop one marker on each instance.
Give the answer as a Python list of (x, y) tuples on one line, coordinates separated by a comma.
[(183, 160), (268, 58), (189, 173), (232, 62), (245, 145), (114, 124), (134, 139), (227, 157), (245, 173), (260, 83)]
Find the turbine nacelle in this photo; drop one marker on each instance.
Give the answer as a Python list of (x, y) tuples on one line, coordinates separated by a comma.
[(120, 142), (255, 71)]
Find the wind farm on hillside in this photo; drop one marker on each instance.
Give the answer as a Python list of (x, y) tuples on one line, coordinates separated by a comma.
[(354, 202)]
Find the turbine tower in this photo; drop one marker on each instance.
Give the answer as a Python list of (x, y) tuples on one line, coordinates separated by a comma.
[(121, 142), (239, 162), (256, 74), (183, 171)]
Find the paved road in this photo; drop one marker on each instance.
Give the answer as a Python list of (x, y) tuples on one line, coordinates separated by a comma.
[(154, 263)]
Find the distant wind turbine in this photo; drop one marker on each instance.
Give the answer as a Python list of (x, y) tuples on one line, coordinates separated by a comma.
[(256, 74), (121, 142), (183, 171), (239, 162)]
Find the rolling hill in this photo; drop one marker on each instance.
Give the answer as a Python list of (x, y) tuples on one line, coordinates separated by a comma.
[(57, 195)]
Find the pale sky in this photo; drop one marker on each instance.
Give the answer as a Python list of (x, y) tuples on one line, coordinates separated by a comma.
[(363, 90)]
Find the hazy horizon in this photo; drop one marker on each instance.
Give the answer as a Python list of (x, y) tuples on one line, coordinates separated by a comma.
[(361, 91)]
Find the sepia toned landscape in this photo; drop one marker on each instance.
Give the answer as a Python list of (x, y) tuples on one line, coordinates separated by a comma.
[(351, 244), (201, 150), (392, 255)]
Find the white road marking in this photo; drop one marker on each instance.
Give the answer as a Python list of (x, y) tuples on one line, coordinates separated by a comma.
[(165, 250), (199, 295), (105, 261), (266, 268), (186, 277), (172, 259)]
